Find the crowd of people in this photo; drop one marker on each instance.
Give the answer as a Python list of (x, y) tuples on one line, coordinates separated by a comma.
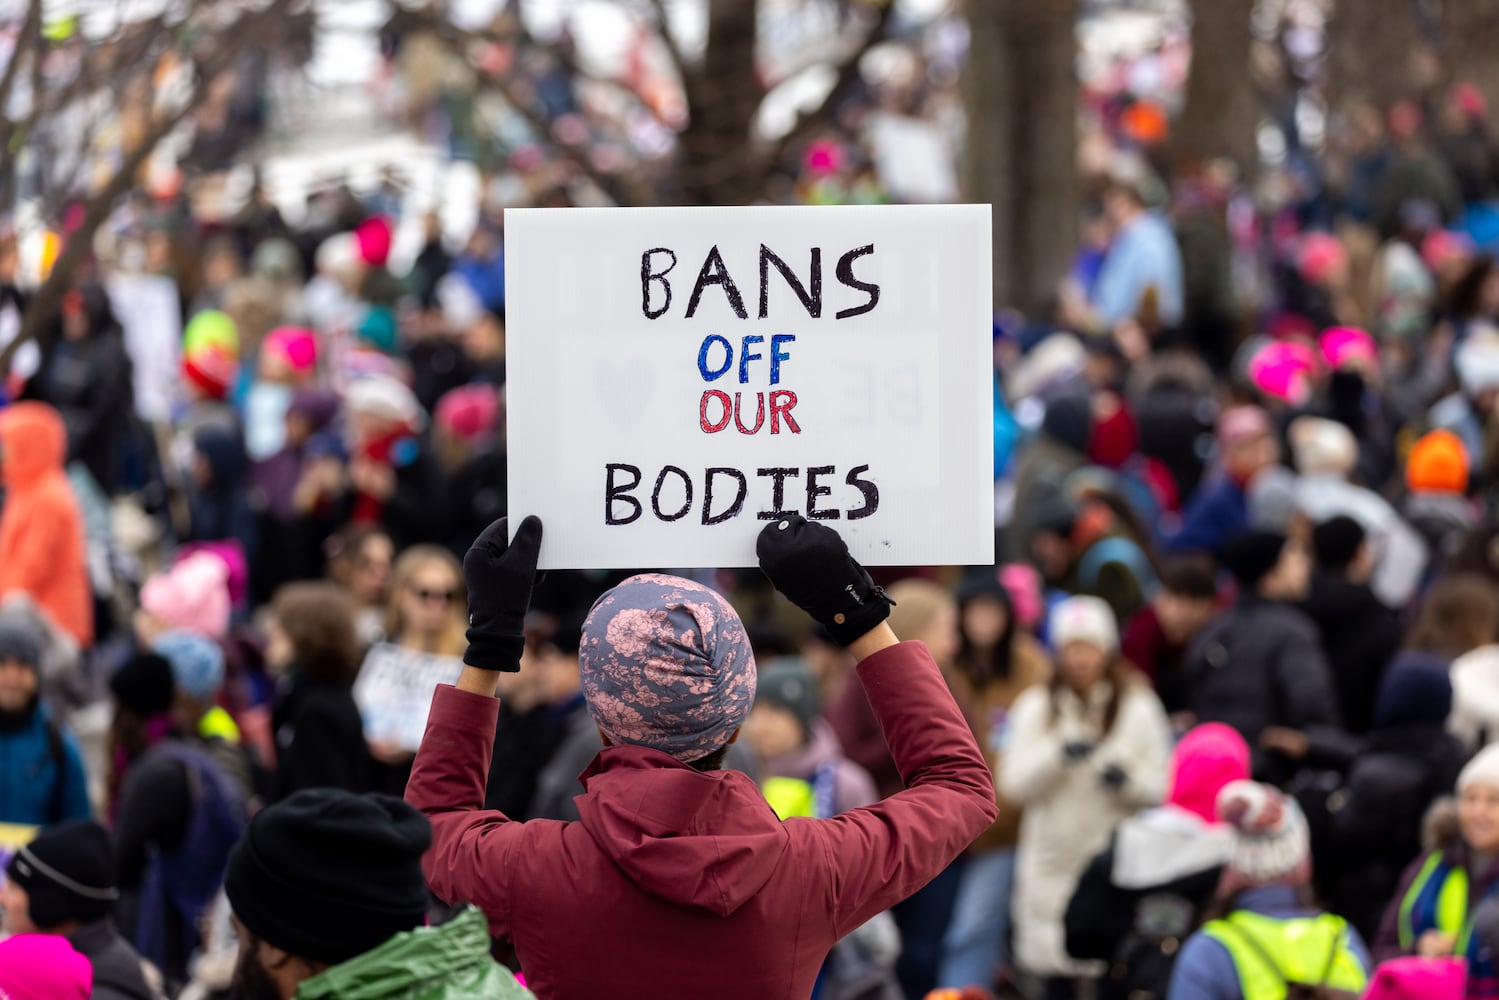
[(1216, 723)]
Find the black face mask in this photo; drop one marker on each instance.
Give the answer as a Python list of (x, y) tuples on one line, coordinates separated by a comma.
[(251, 979), (18, 719)]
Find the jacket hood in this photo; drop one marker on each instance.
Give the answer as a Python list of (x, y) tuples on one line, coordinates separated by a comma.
[(705, 841), (1439, 830), (430, 963), (1336, 601), (1165, 845), (32, 443), (1207, 758)]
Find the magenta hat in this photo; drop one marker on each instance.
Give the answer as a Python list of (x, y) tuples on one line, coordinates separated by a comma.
[(1284, 370), (296, 345), (374, 238), (1343, 345), (1412, 978), (43, 967)]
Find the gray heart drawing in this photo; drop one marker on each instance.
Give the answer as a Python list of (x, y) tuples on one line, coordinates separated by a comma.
[(624, 390)]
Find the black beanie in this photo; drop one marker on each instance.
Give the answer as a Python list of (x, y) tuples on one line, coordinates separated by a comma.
[(68, 874), (1252, 555), (19, 642), (144, 685), (327, 875), (1336, 542)]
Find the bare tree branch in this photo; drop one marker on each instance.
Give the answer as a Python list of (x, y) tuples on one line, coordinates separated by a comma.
[(250, 30), (847, 73), (32, 26), (628, 188), (679, 62)]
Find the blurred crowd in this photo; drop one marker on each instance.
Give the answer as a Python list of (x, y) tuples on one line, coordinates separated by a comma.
[(1235, 670)]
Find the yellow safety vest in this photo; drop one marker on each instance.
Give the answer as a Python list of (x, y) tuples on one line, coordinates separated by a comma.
[(1270, 952)]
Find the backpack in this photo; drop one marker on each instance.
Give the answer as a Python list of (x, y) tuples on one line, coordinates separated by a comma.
[(185, 881), (1142, 964), (1298, 990)]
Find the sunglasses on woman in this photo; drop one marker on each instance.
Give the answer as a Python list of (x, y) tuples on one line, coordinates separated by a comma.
[(434, 596)]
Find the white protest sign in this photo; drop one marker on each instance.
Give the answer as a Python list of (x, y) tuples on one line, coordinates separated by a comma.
[(678, 377), (394, 692)]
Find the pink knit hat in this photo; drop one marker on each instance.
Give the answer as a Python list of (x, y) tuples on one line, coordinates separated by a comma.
[(1413, 978), (1284, 370), (295, 345), (1024, 586), (1320, 256), (1206, 760), (1343, 345), (194, 595), (469, 411), (374, 238), (43, 967)]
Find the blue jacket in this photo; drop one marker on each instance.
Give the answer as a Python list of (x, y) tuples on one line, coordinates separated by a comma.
[(1205, 971), (1218, 511), (30, 792)]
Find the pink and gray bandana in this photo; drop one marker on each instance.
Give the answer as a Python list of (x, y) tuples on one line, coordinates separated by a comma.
[(666, 664)]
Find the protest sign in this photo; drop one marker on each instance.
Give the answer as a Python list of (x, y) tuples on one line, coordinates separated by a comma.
[(394, 691), (678, 377)]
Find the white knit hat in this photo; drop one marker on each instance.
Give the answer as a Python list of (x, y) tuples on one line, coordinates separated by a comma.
[(1481, 770), (1322, 446), (1084, 619), (1272, 843)]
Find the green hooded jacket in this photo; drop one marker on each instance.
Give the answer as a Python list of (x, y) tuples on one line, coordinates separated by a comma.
[(450, 962)]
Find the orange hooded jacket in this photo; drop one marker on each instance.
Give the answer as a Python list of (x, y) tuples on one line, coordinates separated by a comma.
[(41, 530)]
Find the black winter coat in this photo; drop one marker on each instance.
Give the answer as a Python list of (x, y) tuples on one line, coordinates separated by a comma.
[(1375, 826), (1261, 665), (319, 738), (1138, 901), (1360, 636), (477, 496), (118, 974)]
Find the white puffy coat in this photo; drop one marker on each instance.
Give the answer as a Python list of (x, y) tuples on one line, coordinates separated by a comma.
[(1069, 811)]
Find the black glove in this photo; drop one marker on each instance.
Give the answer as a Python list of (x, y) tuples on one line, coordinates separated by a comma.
[(810, 564), (1113, 777), (1077, 750), (499, 578)]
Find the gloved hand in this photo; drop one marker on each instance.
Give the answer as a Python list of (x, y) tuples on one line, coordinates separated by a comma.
[(499, 576), (1113, 777), (1077, 750), (810, 564)]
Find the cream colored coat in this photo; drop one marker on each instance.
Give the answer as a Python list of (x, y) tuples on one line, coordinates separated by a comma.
[(1069, 812)]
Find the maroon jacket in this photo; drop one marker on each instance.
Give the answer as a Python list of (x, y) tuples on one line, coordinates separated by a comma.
[(676, 882)]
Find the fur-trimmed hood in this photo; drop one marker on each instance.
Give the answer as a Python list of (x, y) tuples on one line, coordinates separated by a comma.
[(1439, 830)]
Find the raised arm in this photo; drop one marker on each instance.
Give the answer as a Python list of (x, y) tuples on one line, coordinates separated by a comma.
[(881, 854), (472, 848)]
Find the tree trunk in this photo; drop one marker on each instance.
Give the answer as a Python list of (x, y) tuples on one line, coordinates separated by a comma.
[(1222, 111), (1020, 94), (1371, 46), (723, 94)]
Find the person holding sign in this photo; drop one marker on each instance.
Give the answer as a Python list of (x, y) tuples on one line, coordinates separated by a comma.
[(679, 874)]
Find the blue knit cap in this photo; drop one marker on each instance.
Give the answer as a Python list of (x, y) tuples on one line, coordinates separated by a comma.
[(197, 663)]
